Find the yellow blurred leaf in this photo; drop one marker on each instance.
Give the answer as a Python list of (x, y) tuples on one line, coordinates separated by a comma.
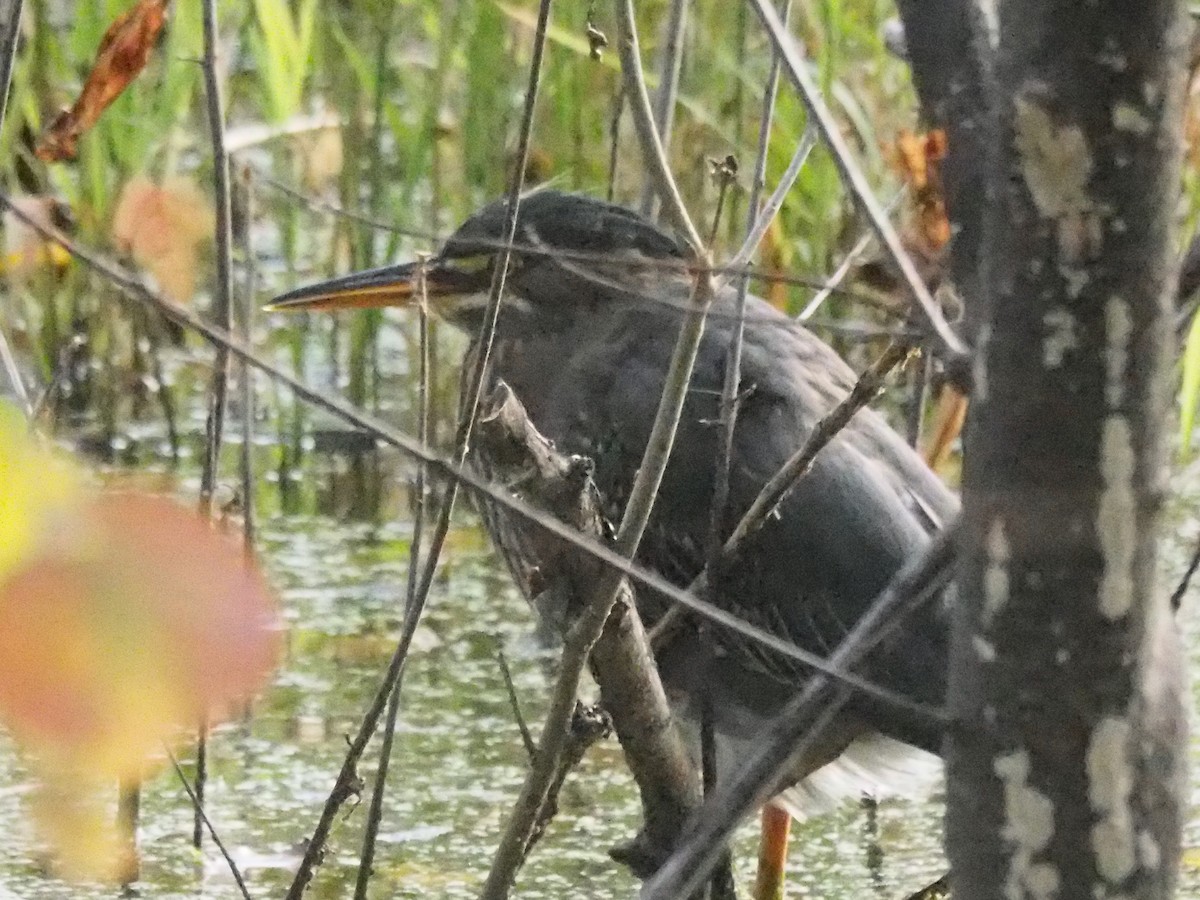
[(123, 616), (162, 227), (39, 490), (25, 250), (124, 619)]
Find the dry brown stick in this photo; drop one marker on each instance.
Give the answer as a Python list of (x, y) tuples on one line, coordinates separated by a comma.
[(223, 313), (602, 596), (559, 579)]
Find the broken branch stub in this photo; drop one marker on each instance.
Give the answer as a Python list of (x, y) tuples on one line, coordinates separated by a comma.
[(558, 580)]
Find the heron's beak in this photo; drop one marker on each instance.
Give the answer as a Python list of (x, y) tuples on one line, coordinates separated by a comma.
[(387, 286)]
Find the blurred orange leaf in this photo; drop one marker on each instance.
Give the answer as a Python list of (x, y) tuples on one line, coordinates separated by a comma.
[(39, 492), (917, 158), (162, 226), (128, 619), (123, 53)]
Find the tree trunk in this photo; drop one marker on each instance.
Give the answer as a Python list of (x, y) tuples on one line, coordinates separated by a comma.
[(1065, 762)]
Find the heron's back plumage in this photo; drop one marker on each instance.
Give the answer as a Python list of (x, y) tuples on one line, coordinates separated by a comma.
[(865, 508)]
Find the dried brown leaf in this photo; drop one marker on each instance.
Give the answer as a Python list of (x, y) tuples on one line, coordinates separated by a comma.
[(123, 53), (917, 159)]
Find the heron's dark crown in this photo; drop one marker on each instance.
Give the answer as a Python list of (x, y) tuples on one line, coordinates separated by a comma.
[(573, 225), (572, 257)]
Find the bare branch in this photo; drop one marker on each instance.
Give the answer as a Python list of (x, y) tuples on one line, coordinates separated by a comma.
[(223, 313), (670, 65), (643, 119), (348, 781), (375, 810), (587, 628), (766, 215)]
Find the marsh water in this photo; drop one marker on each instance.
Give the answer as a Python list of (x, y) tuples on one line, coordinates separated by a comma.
[(458, 758)]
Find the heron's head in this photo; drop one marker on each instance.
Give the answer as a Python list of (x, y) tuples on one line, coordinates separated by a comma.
[(569, 254)]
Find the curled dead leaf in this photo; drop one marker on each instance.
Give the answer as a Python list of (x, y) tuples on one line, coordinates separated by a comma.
[(123, 53)]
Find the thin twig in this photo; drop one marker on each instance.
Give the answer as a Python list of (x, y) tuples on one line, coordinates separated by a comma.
[(757, 222), (765, 216), (1181, 590), (134, 288), (223, 313), (129, 814), (785, 480), (375, 810), (515, 703), (10, 35), (843, 269), (614, 138), (918, 392), (13, 372), (201, 781), (670, 66), (245, 372), (951, 345), (731, 386), (212, 831), (223, 289), (782, 482), (792, 733), (643, 118), (643, 492)]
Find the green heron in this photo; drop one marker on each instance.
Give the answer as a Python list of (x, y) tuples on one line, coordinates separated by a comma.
[(593, 305)]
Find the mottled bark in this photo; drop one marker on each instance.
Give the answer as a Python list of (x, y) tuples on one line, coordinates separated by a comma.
[(1065, 757)]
